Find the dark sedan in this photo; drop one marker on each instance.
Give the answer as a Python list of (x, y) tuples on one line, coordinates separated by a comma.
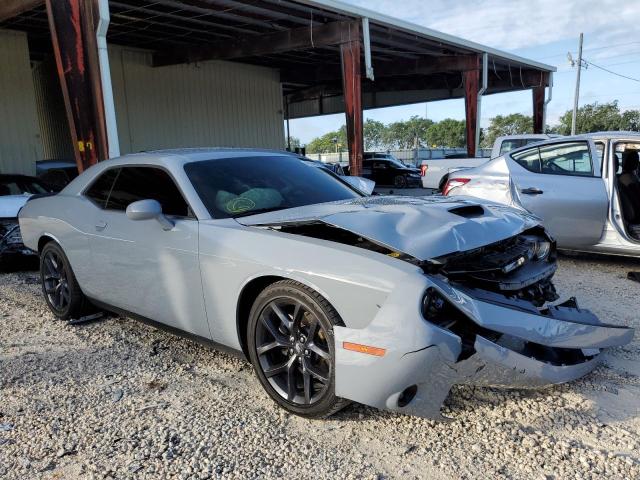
[(388, 170)]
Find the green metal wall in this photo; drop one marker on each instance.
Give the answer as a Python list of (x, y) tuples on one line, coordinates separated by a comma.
[(20, 144), (205, 104)]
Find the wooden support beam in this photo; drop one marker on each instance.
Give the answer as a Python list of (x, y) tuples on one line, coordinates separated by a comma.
[(73, 34), (13, 8), (352, 88), (471, 80), (334, 33), (538, 93), (422, 67)]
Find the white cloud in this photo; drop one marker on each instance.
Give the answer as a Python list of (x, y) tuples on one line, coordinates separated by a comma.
[(513, 24)]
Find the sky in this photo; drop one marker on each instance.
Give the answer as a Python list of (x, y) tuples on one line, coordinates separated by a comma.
[(542, 30)]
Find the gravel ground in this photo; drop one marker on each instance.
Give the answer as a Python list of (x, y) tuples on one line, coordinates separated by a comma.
[(119, 399)]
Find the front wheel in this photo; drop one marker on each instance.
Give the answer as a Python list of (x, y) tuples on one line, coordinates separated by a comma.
[(291, 347)]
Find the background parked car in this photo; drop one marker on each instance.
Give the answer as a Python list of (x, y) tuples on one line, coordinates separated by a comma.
[(15, 190), (585, 188), (438, 170), (361, 184), (57, 173), (386, 170)]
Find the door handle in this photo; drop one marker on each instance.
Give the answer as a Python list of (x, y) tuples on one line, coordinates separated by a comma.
[(101, 226), (531, 191)]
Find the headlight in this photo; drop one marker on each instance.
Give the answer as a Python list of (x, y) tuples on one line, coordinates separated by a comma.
[(432, 304), (540, 248)]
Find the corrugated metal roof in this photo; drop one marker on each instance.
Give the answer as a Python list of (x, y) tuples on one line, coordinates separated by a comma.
[(411, 63), (424, 32)]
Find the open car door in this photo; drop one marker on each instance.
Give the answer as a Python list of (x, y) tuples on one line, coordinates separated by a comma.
[(562, 184)]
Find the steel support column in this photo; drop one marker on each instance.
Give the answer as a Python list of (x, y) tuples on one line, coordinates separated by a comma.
[(538, 108), (471, 87), (352, 88), (73, 33)]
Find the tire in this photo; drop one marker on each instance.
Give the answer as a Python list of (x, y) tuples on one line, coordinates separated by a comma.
[(400, 181), (443, 182), (290, 337), (59, 285)]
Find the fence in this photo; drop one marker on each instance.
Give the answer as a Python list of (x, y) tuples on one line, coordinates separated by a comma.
[(410, 157)]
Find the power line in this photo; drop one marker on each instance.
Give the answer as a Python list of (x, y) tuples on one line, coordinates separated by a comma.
[(612, 72), (570, 70), (591, 49)]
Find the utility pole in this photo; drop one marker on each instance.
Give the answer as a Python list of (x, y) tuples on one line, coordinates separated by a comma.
[(575, 101)]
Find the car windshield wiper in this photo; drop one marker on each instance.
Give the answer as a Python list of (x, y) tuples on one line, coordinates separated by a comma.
[(257, 211)]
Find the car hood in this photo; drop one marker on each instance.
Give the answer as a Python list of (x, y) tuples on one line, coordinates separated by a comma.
[(10, 205), (424, 228)]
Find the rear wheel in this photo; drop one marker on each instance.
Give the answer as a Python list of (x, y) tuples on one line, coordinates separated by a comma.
[(59, 284), (443, 182), (291, 347)]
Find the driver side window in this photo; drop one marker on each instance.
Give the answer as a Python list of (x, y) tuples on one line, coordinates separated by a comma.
[(142, 183), (572, 158), (116, 188), (380, 165)]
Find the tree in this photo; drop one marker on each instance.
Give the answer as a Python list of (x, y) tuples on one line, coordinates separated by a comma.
[(630, 120), (447, 133), (374, 132), (326, 143), (593, 117), (295, 143), (513, 124), (407, 134)]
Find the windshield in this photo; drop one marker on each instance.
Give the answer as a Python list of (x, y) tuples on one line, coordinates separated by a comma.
[(236, 187), (19, 186), (396, 162)]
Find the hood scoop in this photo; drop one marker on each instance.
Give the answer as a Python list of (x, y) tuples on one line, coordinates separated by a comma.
[(468, 211)]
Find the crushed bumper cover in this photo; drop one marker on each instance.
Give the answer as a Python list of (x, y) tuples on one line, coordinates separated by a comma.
[(11, 241), (427, 360)]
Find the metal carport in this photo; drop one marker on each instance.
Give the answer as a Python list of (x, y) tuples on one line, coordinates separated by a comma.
[(319, 47)]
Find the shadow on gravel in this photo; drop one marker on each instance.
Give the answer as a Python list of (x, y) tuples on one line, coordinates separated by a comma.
[(632, 263), (19, 264)]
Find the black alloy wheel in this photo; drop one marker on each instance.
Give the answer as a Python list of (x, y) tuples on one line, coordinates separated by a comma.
[(54, 280), (59, 285), (291, 348), (293, 352)]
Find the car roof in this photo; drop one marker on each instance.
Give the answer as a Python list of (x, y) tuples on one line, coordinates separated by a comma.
[(524, 136), (53, 164), (177, 156), (171, 160), (9, 177), (612, 135)]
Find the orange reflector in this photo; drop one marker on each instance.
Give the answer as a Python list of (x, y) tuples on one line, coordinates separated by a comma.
[(356, 347)]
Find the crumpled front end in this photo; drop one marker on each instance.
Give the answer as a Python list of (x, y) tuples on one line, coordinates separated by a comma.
[(11, 239), (481, 317)]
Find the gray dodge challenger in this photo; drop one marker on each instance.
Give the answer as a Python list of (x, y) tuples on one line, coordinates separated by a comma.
[(333, 295)]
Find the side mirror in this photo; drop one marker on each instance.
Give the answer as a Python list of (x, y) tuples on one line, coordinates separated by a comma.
[(361, 184), (148, 210)]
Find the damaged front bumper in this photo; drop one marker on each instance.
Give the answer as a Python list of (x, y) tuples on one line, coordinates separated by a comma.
[(11, 239), (495, 342)]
